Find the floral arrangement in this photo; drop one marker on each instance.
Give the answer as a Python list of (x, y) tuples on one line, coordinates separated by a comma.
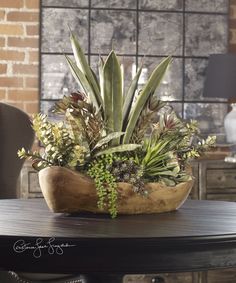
[(116, 137)]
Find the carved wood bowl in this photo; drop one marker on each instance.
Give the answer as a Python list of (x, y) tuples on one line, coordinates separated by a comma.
[(69, 191)]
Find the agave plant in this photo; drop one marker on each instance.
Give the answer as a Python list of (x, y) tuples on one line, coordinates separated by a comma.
[(118, 110), (109, 135)]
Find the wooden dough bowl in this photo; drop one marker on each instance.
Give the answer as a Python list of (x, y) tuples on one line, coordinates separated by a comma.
[(69, 191)]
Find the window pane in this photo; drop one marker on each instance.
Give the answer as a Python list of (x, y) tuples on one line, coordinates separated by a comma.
[(66, 3), (210, 116), (213, 6), (160, 33), (57, 80), (55, 31), (205, 34), (171, 86), (114, 4), (113, 29), (161, 5)]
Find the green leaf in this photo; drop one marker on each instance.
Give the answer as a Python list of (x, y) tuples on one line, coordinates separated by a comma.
[(108, 138), (155, 152), (157, 160), (75, 128), (83, 82), (144, 95), (160, 148), (83, 65), (112, 94), (101, 81), (129, 97), (168, 182), (161, 173), (100, 68), (95, 78), (120, 148)]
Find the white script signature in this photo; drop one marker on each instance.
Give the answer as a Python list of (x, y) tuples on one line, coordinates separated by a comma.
[(39, 245)]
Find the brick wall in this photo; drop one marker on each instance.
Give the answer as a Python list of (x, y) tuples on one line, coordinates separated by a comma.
[(19, 49)]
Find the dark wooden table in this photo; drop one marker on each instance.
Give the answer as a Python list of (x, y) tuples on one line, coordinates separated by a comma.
[(199, 236)]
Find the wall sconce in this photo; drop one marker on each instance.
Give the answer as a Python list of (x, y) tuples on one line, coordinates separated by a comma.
[(221, 82)]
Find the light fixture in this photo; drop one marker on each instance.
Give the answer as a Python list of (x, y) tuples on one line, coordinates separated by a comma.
[(221, 82)]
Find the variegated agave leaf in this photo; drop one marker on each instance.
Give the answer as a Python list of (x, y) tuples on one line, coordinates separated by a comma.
[(108, 138), (120, 148), (144, 95), (84, 67), (130, 97), (112, 95)]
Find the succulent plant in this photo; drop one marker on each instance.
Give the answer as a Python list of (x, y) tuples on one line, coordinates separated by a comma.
[(119, 111), (111, 135)]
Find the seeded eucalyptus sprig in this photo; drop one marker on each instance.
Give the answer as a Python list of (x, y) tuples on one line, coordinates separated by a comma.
[(38, 161), (60, 148)]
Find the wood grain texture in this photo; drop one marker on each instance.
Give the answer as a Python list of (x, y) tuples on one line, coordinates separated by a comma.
[(200, 235), (66, 190), (31, 217)]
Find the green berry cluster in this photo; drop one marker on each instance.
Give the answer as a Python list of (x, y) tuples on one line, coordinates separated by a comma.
[(105, 183), (107, 170)]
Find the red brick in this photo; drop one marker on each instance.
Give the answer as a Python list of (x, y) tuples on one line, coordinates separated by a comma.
[(11, 82), (2, 41), (12, 55), (33, 56), (25, 69), (2, 94), (23, 42), (32, 108), (15, 29), (23, 16), (3, 68), (32, 30), (31, 82), (32, 4), (11, 3), (2, 15), (24, 95)]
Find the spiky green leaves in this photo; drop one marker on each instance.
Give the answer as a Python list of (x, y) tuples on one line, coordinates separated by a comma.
[(160, 160), (84, 83), (128, 100), (144, 95), (111, 89), (108, 96), (119, 148), (107, 139), (83, 74)]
